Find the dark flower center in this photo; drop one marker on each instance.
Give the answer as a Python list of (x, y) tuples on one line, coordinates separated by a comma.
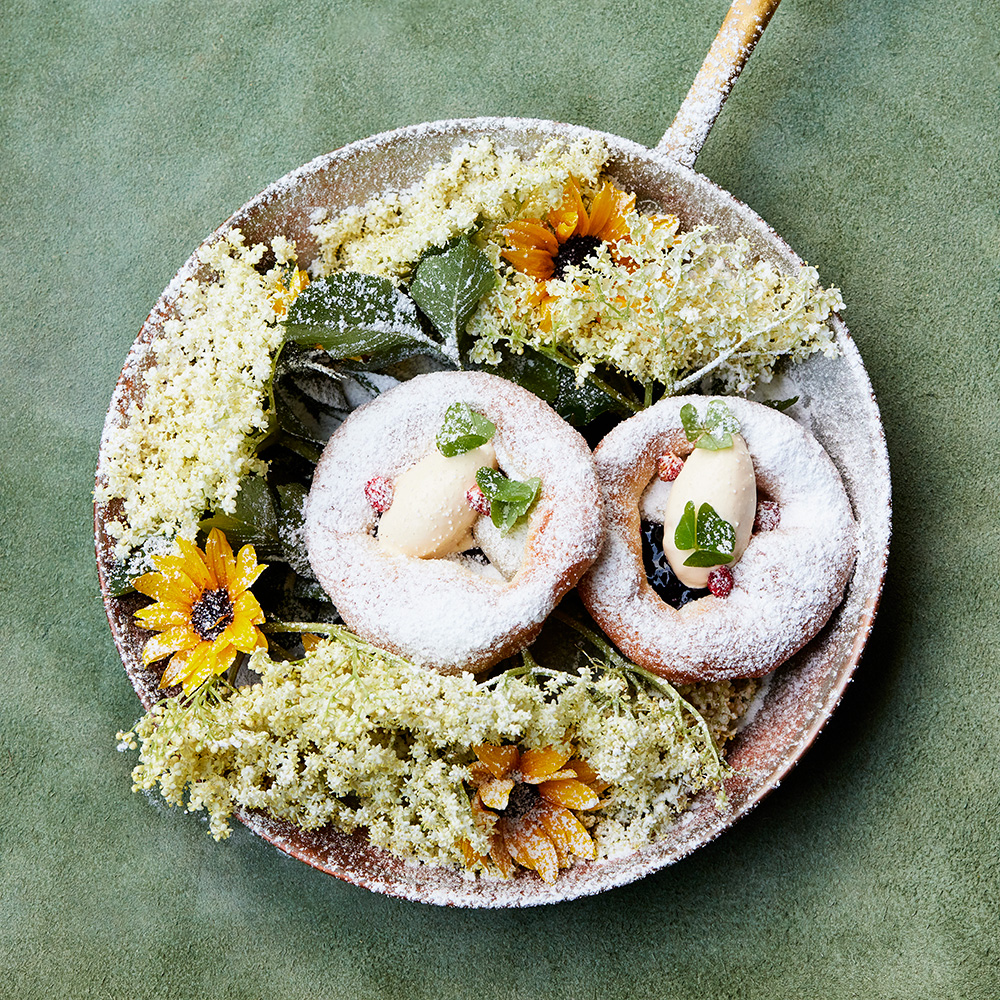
[(574, 251), (521, 800), (212, 613)]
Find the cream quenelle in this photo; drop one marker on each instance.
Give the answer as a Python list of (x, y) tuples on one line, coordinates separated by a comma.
[(723, 478), (430, 516)]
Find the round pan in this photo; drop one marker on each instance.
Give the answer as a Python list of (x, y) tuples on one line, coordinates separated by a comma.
[(835, 403)]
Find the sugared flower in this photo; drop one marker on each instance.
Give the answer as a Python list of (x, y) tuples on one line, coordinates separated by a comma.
[(532, 798), (204, 610)]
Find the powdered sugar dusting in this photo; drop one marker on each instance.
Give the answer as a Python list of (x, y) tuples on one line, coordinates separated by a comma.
[(787, 583), (434, 611)]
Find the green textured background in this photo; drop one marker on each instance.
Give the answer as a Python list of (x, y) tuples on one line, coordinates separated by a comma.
[(865, 132)]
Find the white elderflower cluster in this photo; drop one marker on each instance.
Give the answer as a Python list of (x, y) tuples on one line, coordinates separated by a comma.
[(664, 307), (479, 186), (356, 737), (186, 442)]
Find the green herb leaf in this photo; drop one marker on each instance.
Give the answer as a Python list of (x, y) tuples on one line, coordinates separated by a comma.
[(685, 534), (463, 429), (291, 522), (353, 315), (555, 383), (714, 534), (448, 285), (781, 404), (715, 433), (254, 520), (712, 538), (509, 499)]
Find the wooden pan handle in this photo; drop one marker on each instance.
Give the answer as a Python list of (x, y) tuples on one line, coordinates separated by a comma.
[(743, 25)]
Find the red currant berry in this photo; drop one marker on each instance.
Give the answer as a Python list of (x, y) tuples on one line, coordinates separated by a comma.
[(378, 492), (720, 581)]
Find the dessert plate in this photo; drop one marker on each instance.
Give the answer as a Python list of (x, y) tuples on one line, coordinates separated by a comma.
[(835, 404)]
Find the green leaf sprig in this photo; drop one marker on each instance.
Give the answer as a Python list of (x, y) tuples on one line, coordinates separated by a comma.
[(509, 499), (715, 432), (712, 538), (462, 430)]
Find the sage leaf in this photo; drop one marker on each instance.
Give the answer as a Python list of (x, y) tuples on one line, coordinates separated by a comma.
[(448, 285), (356, 315), (462, 430), (555, 383), (291, 527), (254, 520)]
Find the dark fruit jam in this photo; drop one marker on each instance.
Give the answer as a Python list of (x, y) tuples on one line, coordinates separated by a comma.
[(658, 572)]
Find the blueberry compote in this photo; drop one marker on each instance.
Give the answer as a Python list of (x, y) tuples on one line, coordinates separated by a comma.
[(658, 572)]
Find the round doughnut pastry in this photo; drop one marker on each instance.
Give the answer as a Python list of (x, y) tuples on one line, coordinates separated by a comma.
[(437, 611), (785, 586)]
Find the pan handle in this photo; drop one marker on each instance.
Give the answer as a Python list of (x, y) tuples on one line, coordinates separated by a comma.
[(743, 25)]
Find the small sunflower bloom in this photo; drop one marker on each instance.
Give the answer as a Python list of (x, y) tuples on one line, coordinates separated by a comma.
[(532, 798), (569, 233), (203, 610), (288, 291)]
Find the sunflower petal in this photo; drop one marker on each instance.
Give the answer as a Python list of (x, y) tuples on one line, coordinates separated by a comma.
[(172, 641), (164, 615), (530, 847), (494, 794), (173, 569), (247, 571), (567, 832), (539, 765), (500, 854), (219, 558), (242, 634), (247, 606), (570, 793), (194, 564), (500, 760)]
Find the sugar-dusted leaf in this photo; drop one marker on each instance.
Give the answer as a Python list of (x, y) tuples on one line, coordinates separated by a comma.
[(462, 430), (448, 285), (715, 432), (357, 315), (509, 499), (291, 527), (714, 534), (690, 422)]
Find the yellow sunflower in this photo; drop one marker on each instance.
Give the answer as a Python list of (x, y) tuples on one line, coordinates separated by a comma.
[(569, 233), (532, 797), (204, 610), (288, 291)]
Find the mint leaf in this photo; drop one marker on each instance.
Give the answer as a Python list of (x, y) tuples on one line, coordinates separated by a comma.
[(352, 315), (712, 538), (713, 534), (685, 534), (715, 433), (463, 429), (689, 421), (448, 285), (509, 499)]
